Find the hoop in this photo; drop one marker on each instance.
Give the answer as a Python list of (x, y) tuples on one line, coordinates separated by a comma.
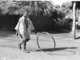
[(48, 34)]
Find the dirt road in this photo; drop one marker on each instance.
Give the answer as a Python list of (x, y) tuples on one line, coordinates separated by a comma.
[(66, 48)]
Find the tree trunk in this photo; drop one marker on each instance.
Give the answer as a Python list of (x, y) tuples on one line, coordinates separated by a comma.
[(74, 22)]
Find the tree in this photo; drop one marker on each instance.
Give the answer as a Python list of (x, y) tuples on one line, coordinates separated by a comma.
[(34, 7), (43, 8), (74, 21)]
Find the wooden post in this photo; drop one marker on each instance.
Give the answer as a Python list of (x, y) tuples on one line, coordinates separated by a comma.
[(74, 21)]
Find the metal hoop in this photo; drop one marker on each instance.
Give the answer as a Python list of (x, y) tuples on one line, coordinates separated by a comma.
[(48, 35)]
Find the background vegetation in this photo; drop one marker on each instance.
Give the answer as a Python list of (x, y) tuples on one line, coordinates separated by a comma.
[(44, 14)]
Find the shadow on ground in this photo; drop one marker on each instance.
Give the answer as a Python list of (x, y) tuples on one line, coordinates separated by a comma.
[(78, 37), (56, 49)]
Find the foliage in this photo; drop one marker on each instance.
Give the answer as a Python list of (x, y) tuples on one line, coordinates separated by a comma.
[(20, 7), (66, 7), (36, 8)]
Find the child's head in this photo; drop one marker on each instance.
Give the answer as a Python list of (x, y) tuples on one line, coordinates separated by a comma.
[(26, 15)]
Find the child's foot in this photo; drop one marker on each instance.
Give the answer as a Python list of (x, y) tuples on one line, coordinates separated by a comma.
[(26, 51)]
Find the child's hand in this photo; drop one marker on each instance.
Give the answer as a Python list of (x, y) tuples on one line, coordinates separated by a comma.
[(16, 33)]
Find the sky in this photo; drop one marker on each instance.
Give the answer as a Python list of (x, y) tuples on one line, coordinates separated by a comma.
[(60, 2)]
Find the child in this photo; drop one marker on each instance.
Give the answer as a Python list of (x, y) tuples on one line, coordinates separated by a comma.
[(23, 29)]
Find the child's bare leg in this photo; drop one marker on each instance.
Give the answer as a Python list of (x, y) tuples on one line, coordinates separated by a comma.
[(20, 45), (22, 42), (25, 45)]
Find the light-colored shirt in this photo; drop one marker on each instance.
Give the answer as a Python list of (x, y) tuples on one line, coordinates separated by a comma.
[(21, 27)]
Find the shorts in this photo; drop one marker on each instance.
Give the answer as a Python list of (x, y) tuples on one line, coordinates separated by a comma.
[(25, 37)]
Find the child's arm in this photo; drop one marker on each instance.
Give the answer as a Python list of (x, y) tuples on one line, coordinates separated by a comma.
[(17, 28)]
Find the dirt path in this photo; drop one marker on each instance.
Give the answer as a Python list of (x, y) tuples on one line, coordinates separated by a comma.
[(66, 48)]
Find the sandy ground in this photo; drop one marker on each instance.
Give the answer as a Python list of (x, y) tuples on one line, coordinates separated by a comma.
[(67, 48)]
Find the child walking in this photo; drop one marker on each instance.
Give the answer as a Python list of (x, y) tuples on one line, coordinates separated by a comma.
[(23, 29)]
